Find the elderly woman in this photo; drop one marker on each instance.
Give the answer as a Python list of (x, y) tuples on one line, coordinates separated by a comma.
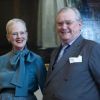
[(21, 70)]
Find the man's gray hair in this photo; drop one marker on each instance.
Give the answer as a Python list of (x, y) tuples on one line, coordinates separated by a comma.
[(77, 13)]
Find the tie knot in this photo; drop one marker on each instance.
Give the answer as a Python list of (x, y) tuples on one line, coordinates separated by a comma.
[(65, 48), (63, 51)]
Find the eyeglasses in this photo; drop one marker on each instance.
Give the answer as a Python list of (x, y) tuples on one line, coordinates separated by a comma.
[(21, 33)]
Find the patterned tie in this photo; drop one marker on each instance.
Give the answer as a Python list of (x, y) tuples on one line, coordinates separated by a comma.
[(62, 52), (66, 48)]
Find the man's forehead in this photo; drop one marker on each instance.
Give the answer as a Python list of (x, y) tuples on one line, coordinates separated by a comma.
[(66, 15)]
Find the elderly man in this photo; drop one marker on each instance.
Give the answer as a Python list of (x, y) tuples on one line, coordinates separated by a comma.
[(74, 71)]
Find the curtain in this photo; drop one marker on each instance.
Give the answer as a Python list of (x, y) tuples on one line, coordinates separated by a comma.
[(47, 37)]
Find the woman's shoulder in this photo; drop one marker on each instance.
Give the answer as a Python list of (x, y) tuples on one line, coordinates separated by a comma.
[(6, 55), (4, 59)]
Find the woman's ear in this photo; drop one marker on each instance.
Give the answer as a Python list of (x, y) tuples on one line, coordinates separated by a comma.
[(7, 36), (27, 35)]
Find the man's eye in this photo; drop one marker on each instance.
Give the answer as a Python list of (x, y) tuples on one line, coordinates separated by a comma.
[(60, 24), (68, 23)]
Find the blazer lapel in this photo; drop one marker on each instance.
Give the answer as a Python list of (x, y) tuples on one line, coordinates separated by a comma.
[(73, 50), (53, 60)]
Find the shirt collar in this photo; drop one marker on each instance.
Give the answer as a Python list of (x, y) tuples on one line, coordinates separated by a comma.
[(65, 45)]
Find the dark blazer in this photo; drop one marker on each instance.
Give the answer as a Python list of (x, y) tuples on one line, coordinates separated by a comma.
[(75, 78)]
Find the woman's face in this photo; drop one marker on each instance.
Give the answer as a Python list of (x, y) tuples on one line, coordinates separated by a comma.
[(17, 36)]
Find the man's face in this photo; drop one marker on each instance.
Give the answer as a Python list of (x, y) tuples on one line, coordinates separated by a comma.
[(67, 26), (17, 36)]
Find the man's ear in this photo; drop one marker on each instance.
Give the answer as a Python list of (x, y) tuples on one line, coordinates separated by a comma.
[(80, 23)]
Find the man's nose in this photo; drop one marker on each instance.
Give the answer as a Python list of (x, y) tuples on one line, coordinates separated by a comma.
[(64, 26)]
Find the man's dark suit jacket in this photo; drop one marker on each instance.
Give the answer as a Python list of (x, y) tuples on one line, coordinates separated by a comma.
[(77, 75)]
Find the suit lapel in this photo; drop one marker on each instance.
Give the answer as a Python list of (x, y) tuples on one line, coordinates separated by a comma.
[(73, 50), (53, 60)]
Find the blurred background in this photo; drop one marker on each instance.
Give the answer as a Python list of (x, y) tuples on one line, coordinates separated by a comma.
[(39, 16)]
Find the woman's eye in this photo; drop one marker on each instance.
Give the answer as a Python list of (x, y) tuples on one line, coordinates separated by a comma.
[(15, 33)]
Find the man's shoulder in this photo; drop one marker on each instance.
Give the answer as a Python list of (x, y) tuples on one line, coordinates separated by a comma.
[(90, 43)]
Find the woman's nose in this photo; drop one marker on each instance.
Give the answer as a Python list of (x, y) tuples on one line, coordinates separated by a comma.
[(18, 34)]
